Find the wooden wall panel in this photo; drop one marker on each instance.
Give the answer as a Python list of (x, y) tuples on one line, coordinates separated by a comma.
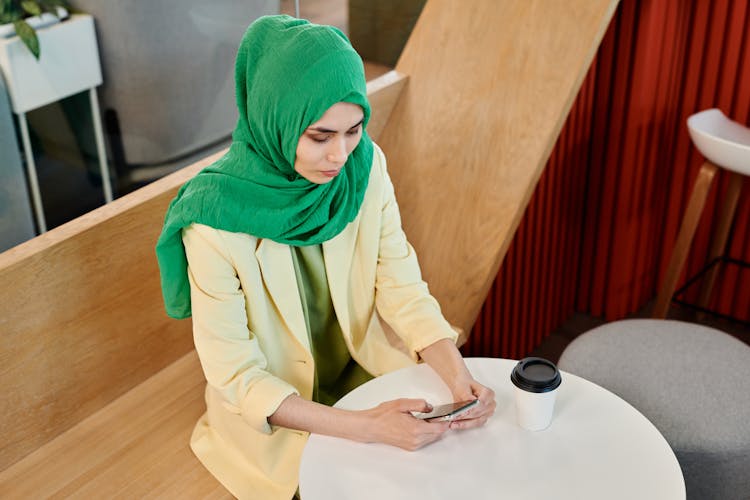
[(624, 166), (82, 318), (537, 282), (489, 88)]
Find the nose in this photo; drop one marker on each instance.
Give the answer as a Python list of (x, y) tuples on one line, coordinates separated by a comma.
[(337, 152)]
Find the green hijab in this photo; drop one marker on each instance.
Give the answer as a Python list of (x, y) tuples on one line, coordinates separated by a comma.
[(288, 73)]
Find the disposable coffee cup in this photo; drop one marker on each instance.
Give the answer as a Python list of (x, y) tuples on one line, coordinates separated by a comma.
[(536, 381)]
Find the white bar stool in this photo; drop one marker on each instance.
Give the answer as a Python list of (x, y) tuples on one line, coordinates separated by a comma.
[(725, 144)]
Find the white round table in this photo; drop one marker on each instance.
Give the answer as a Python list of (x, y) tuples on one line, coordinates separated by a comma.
[(598, 446)]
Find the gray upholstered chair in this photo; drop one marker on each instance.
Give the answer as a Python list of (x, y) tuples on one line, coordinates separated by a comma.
[(691, 382)]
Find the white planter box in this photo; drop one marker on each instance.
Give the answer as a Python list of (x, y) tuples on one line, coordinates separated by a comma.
[(35, 22), (69, 63)]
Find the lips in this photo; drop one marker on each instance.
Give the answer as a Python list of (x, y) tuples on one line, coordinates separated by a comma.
[(331, 173)]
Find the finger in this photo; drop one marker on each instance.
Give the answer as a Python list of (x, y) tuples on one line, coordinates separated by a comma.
[(487, 395), (477, 410), (425, 433), (483, 410), (422, 441), (468, 423), (435, 427), (408, 405), (431, 437), (486, 403), (484, 393)]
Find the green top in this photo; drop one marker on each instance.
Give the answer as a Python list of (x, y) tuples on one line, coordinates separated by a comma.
[(336, 373), (288, 73)]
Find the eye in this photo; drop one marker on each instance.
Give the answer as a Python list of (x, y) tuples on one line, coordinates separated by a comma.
[(354, 131), (320, 140)]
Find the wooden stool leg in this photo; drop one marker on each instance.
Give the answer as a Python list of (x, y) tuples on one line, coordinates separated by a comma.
[(719, 243), (684, 238)]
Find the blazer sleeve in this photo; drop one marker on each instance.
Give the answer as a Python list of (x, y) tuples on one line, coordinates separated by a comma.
[(229, 352), (402, 298)]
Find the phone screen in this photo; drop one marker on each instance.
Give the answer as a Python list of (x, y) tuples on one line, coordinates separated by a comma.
[(448, 411)]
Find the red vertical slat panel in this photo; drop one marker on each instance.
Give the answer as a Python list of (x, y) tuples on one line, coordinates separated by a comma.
[(601, 225), (547, 240), (602, 72)]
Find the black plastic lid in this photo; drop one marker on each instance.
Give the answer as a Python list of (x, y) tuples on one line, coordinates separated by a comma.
[(536, 375)]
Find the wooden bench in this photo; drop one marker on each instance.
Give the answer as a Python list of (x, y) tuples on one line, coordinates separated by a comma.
[(100, 389)]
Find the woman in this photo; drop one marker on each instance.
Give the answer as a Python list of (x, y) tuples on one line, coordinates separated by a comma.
[(289, 254)]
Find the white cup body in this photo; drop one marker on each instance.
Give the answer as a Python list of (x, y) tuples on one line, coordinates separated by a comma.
[(534, 409)]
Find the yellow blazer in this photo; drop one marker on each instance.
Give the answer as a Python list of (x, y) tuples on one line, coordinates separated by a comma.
[(250, 332)]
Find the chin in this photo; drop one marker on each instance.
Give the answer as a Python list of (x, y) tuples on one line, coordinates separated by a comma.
[(318, 178), (325, 180)]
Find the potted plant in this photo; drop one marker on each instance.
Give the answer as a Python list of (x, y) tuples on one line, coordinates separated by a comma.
[(50, 62), (23, 17)]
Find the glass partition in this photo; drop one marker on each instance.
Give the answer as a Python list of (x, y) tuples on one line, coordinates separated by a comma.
[(166, 97)]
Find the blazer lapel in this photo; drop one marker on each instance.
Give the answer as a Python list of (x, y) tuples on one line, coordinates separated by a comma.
[(277, 270), (337, 255)]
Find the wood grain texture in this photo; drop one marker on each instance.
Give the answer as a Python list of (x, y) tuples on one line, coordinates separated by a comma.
[(725, 218), (379, 30), (374, 70), (82, 319), (135, 447), (489, 89), (383, 93), (693, 212), (81, 312)]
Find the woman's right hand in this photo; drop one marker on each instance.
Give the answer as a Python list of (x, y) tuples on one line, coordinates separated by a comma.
[(392, 423)]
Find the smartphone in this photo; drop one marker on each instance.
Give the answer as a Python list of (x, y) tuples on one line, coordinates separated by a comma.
[(451, 411)]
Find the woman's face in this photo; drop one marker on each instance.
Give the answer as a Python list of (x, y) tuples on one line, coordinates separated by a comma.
[(325, 145)]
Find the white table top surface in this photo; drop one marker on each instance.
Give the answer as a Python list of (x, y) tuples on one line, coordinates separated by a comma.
[(598, 446)]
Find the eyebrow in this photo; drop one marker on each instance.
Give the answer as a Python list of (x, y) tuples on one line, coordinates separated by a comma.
[(329, 131)]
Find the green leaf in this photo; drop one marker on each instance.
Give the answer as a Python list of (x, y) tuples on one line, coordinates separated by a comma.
[(31, 7), (28, 36), (6, 6), (10, 11)]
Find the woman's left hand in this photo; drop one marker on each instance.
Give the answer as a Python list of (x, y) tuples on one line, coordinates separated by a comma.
[(477, 416)]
